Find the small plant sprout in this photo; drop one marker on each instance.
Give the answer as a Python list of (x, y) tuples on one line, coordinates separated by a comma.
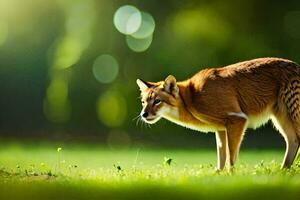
[(59, 149), (18, 169), (118, 167), (167, 161)]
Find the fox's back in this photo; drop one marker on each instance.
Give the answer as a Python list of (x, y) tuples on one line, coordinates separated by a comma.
[(275, 69), (252, 86)]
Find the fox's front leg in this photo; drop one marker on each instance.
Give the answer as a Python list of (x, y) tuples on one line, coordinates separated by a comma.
[(221, 140), (235, 129)]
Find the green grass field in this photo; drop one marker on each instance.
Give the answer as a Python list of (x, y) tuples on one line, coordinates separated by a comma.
[(41, 171)]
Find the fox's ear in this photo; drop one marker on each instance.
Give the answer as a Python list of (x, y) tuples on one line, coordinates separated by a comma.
[(142, 85), (170, 85)]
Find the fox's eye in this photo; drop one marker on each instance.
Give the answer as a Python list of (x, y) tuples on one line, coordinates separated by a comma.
[(156, 101), (143, 102)]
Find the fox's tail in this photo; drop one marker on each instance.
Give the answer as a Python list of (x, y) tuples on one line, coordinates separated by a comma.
[(290, 92), (291, 98)]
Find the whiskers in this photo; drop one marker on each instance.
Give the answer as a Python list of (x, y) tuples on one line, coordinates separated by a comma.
[(140, 122)]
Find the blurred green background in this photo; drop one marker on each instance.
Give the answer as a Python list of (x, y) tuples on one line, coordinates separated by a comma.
[(68, 67)]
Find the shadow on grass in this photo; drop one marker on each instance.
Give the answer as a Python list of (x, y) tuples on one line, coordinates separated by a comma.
[(201, 189)]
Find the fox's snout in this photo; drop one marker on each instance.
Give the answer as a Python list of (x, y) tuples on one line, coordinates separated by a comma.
[(149, 117), (144, 114)]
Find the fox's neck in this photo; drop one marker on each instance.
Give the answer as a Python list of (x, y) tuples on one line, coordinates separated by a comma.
[(181, 113)]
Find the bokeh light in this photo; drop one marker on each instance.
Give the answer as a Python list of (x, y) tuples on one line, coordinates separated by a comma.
[(79, 21), (57, 91), (112, 109), (147, 27), (67, 53), (56, 105), (3, 32), (105, 68), (127, 19), (136, 25), (201, 24), (138, 45)]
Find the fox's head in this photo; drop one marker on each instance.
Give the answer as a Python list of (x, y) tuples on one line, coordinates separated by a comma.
[(158, 99)]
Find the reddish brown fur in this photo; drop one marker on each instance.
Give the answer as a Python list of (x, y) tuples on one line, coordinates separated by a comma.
[(230, 98)]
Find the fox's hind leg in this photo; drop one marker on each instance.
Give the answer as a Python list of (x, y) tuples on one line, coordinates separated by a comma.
[(287, 118), (285, 125)]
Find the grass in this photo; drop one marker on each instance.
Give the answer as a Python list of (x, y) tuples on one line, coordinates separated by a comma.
[(89, 172)]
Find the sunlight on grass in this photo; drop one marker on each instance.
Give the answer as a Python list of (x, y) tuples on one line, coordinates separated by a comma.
[(113, 173)]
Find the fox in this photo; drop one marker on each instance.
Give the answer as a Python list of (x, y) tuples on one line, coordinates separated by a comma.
[(228, 100)]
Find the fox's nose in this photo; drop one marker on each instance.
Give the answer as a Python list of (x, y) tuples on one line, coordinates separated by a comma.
[(145, 115)]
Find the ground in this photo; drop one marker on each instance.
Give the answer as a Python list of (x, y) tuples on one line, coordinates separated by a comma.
[(51, 171)]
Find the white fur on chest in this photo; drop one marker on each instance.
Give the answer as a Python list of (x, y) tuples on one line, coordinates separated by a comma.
[(173, 116), (253, 121), (202, 128)]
